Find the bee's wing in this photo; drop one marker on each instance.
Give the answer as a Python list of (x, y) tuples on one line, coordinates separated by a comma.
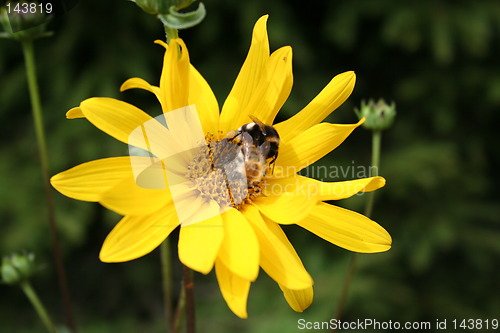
[(246, 139), (246, 144), (264, 149), (223, 152)]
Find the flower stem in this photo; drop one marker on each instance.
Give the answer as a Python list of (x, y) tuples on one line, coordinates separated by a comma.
[(170, 33), (190, 310), (376, 139), (166, 269), (37, 304), (376, 143), (29, 58), (179, 312)]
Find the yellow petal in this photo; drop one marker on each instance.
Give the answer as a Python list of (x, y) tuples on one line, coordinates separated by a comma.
[(174, 81), (330, 98), (347, 229), (248, 79), (324, 191), (135, 236), (75, 113), (309, 146), (191, 207), (162, 43), (127, 123), (184, 136), (199, 244), (114, 117), (138, 83), (285, 202), (234, 289), (277, 256), (272, 91), (373, 183), (111, 182), (128, 198), (89, 181), (346, 189), (240, 249), (299, 300), (201, 95)]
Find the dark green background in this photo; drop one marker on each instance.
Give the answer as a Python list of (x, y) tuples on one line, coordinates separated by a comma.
[(438, 60)]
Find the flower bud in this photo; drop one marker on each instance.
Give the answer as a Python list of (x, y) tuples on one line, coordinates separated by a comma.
[(17, 268), (379, 116), (168, 12)]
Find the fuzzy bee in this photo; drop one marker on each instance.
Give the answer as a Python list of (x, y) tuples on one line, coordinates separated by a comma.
[(259, 143)]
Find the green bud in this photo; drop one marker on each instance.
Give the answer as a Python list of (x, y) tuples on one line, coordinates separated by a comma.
[(24, 23), (17, 268), (379, 116), (168, 11), (9, 274)]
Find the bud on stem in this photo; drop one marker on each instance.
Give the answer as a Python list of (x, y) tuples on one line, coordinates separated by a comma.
[(17, 268), (379, 116)]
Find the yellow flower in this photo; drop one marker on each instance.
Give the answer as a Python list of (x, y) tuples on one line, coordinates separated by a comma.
[(247, 236)]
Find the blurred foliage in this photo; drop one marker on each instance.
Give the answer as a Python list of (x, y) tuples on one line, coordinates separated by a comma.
[(438, 60)]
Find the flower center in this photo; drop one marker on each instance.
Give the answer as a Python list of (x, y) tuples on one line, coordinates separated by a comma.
[(220, 172)]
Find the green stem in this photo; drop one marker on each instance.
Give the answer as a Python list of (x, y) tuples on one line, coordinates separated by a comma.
[(29, 58), (179, 312), (166, 269), (376, 139), (170, 33), (376, 143), (37, 304)]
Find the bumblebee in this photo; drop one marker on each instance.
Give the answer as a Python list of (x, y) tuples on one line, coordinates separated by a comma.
[(259, 143)]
